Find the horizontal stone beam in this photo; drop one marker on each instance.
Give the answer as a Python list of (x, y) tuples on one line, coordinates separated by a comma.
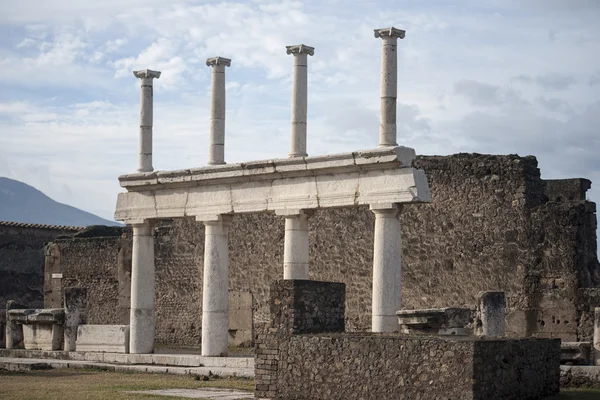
[(381, 176)]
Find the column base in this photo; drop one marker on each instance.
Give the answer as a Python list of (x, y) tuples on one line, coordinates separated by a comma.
[(141, 339), (384, 323), (215, 332)]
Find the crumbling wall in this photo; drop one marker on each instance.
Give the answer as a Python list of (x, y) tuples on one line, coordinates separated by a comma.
[(96, 263), (22, 262), (491, 226)]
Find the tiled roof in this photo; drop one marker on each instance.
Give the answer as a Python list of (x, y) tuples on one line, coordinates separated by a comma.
[(41, 226)]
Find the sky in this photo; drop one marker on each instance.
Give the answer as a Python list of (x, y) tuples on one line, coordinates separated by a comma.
[(485, 76)]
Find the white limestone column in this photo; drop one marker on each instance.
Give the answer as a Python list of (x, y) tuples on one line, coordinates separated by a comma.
[(299, 98), (295, 247), (141, 320), (389, 84), (215, 287), (146, 115), (596, 354), (216, 151), (387, 268)]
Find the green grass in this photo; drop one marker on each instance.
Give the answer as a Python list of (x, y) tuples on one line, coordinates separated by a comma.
[(68, 384)]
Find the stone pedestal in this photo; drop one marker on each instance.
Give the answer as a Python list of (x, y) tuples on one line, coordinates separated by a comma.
[(141, 320), (42, 329), (215, 289), (387, 268)]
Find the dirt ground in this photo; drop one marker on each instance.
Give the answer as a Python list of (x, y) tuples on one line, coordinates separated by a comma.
[(71, 384)]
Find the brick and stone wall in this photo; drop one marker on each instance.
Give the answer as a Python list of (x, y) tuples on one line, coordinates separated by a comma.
[(371, 366), (22, 261), (494, 224)]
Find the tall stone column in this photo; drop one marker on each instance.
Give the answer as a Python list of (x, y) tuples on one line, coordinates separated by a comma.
[(215, 287), (387, 268), (216, 151), (141, 317), (389, 84), (146, 115), (295, 248), (299, 98)]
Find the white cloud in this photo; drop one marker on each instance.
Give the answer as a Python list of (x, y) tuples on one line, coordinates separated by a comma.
[(69, 104)]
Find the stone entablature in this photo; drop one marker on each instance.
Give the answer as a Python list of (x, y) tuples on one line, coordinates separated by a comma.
[(378, 176)]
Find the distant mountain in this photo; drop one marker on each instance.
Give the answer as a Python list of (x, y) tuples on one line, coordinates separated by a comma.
[(20, 202)]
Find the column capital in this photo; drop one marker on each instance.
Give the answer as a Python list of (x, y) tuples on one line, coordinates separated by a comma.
[(146, 73), (294, 213), (143, 228), (225, 219), (214, 61), (386, 208), (300, 49), (390, 32)]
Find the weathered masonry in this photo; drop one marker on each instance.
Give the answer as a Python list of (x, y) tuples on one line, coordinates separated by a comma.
[(22, 261), (382, 179), (498, 227), (305, 354)]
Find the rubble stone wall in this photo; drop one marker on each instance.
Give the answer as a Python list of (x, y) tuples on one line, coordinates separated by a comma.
[(371, 366), (491, 226)]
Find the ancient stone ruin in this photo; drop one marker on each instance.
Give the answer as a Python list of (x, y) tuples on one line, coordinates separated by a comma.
[(441, 284), (293, 188)]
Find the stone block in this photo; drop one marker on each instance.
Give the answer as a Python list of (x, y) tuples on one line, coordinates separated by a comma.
[(576, 353), (42, 336), (103, 338), (437, 321), (491, 309), (374, 367)]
